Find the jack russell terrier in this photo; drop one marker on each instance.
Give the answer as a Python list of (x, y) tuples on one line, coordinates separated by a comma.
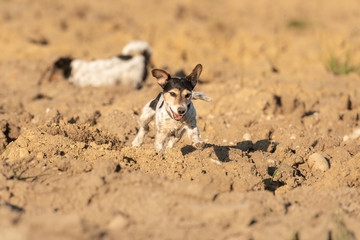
[(173, 111), (129, 68)]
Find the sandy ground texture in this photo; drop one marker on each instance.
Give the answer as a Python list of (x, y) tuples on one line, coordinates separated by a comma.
[(282, 159)]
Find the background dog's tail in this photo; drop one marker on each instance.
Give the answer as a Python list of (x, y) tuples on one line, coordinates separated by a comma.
[(201, 96)]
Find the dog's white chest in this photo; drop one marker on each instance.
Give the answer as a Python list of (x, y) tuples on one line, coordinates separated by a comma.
[(166, 123)]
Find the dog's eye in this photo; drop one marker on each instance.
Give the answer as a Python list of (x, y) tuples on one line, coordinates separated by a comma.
[(187, 95), (172, 94)]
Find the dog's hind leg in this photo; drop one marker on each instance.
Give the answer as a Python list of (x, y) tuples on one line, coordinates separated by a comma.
[(146, 117)]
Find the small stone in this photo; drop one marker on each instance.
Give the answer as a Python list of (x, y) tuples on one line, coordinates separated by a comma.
[(355, 134), (23, 153), (217, 162), (247, 137), (271, 162), (40, 155), (317, 161), (119, 222)]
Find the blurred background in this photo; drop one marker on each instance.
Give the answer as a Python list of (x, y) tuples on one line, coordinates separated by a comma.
[(249, 36)]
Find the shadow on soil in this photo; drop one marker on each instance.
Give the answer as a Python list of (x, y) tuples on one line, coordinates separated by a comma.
[(222, 152), (247, 147)]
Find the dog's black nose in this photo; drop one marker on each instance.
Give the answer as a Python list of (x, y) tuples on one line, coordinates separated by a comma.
[(181, 110)]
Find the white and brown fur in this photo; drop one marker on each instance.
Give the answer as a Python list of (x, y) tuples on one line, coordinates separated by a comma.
[(129, 68), (173, 111)]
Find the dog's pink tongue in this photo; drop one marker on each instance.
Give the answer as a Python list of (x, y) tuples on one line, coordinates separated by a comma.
[(177, 117)]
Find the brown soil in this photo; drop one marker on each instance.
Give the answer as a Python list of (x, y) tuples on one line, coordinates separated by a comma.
[(67, 169)]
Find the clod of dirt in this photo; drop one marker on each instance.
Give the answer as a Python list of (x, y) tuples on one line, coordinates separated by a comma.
[(317, 161), (8, 133), (291, 176), (83, 133), (51, 116)]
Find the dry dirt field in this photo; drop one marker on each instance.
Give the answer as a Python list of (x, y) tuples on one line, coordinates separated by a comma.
[(284, 78)]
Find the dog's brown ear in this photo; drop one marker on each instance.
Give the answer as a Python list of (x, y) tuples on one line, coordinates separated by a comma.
[(162, 76), (194, 76)]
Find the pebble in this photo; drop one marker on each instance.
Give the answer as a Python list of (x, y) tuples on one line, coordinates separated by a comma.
[(271, 162), (23, 153), (247, 137), (216, 161), (317, 161), (40, 155), (119, 222), (355, 134)]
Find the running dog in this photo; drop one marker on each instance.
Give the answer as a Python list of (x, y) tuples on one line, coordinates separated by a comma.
[(173, 111), (129, 68)]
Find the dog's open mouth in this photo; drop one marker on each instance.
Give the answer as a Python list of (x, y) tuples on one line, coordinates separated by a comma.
[(177, 116)]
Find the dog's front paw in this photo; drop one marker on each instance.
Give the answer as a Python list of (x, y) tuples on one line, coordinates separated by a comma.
[(199, 145)]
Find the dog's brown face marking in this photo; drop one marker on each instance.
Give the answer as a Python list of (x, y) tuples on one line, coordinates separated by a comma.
[(172, 97), (186, 95), (178, 97)]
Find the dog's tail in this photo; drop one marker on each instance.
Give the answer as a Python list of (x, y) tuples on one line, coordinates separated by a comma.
[(201, 96)]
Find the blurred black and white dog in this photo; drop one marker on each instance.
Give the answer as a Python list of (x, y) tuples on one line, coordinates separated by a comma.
[(129, 68)]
